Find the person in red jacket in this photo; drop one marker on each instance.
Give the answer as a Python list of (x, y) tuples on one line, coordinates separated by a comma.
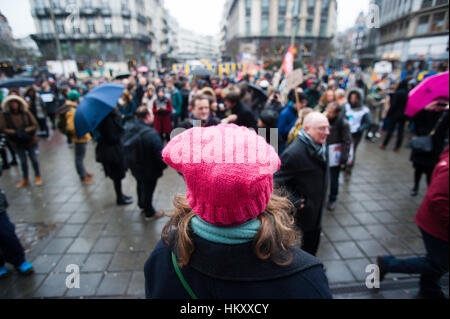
[(162, 108), (432, 219)]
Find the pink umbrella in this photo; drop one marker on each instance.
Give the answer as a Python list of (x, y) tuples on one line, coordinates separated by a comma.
[(142, 69), (429, 90)]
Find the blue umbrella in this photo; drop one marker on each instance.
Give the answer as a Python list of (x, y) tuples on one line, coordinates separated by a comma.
[(17, 82), (95, 106)]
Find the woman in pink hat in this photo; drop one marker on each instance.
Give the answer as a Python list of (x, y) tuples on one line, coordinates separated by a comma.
[(231, 235)]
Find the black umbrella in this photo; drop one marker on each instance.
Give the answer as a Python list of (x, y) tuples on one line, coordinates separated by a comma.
[(17, 82), (202, 72), (121, 76), (259, 91)]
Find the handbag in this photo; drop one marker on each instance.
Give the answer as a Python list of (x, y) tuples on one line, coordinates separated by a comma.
[(425, 143)]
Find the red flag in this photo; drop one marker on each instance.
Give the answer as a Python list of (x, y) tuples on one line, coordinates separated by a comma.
[(288, 63)]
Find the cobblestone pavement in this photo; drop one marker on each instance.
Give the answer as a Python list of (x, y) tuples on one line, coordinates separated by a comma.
[(374, 215)]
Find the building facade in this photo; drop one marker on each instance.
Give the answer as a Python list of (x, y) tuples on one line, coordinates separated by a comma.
[(132, 31), (263, 28), (193, 46), (414, 32)]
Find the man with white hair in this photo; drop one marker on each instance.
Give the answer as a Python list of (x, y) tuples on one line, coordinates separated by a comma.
[(304, 174)]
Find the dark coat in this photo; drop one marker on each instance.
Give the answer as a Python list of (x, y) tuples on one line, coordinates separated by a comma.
[(340, 134), (109, 148), (152, 147), (234, 271), (398, 104), (187, 124), (305, 176), (23, 119), (424, 122), (245, 116)]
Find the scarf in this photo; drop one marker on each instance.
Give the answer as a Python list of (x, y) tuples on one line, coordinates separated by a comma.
[(320, 151), (226, 235)]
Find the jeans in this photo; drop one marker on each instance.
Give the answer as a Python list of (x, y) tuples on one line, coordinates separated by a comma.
[(334, 183), (22, 151), (43, 126), (145, 190), (80, 152), (431, 267), (11, 249)]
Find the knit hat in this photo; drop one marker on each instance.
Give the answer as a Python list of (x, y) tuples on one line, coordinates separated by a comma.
[(73, 95), (228, 171)]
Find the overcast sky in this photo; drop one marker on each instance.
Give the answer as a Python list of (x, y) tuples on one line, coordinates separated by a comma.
[(201, 16)]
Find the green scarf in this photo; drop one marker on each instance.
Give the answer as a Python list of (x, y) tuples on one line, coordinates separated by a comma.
[(226, 235)]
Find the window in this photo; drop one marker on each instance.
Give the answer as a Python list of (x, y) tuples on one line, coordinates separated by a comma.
[(87, 3), (55, 4), (281, 25), (437, 23), (422, 28), (441, 2), (248, 7), (125, 5), (309, 27), (45, 26), (282, 7), (91, 25), (108, 25), (265, 7), (40, 4), (323, 28), (60, 26), (427, 4), (105, 4), (265, 25), (140, 5), (126, 26), (247, 26)]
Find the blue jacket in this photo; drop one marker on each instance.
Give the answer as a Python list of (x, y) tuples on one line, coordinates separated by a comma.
[(286, 121), (219, 271)]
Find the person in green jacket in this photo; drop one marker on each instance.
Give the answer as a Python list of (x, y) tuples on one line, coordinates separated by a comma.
[(177, 102)]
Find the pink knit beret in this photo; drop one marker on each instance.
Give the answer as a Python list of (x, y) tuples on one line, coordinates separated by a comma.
[(228, 171)]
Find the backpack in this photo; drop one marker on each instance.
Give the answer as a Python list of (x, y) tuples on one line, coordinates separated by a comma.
[(132, 146), (61, 119)]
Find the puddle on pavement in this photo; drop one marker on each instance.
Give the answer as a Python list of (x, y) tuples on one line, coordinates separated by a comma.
[(31, 235)]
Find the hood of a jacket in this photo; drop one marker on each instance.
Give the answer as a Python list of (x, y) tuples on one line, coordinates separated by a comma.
[(360, 95), (23, 105)]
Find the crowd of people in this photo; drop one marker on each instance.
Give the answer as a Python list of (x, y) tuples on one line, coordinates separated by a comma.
[(319, 124)]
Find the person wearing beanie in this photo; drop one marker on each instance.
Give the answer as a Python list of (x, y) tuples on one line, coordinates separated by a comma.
[(304, 173), (231, 235), (20, 127), (73, 98)]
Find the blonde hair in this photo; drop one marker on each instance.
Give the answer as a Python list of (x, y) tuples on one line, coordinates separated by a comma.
[(273, 241)]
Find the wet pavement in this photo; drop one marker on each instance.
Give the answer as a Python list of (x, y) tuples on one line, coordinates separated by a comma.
[(64, 222)]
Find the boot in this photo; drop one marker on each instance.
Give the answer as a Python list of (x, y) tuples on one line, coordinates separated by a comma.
[(124, 201), (23, 183), (38, 181)]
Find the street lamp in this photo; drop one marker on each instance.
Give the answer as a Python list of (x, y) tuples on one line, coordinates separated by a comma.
[(55, 33)]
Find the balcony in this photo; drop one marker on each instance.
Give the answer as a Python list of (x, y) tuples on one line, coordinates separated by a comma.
[(142, 19), (89, 11), (105, 11), (125, 12), (40, 12)]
